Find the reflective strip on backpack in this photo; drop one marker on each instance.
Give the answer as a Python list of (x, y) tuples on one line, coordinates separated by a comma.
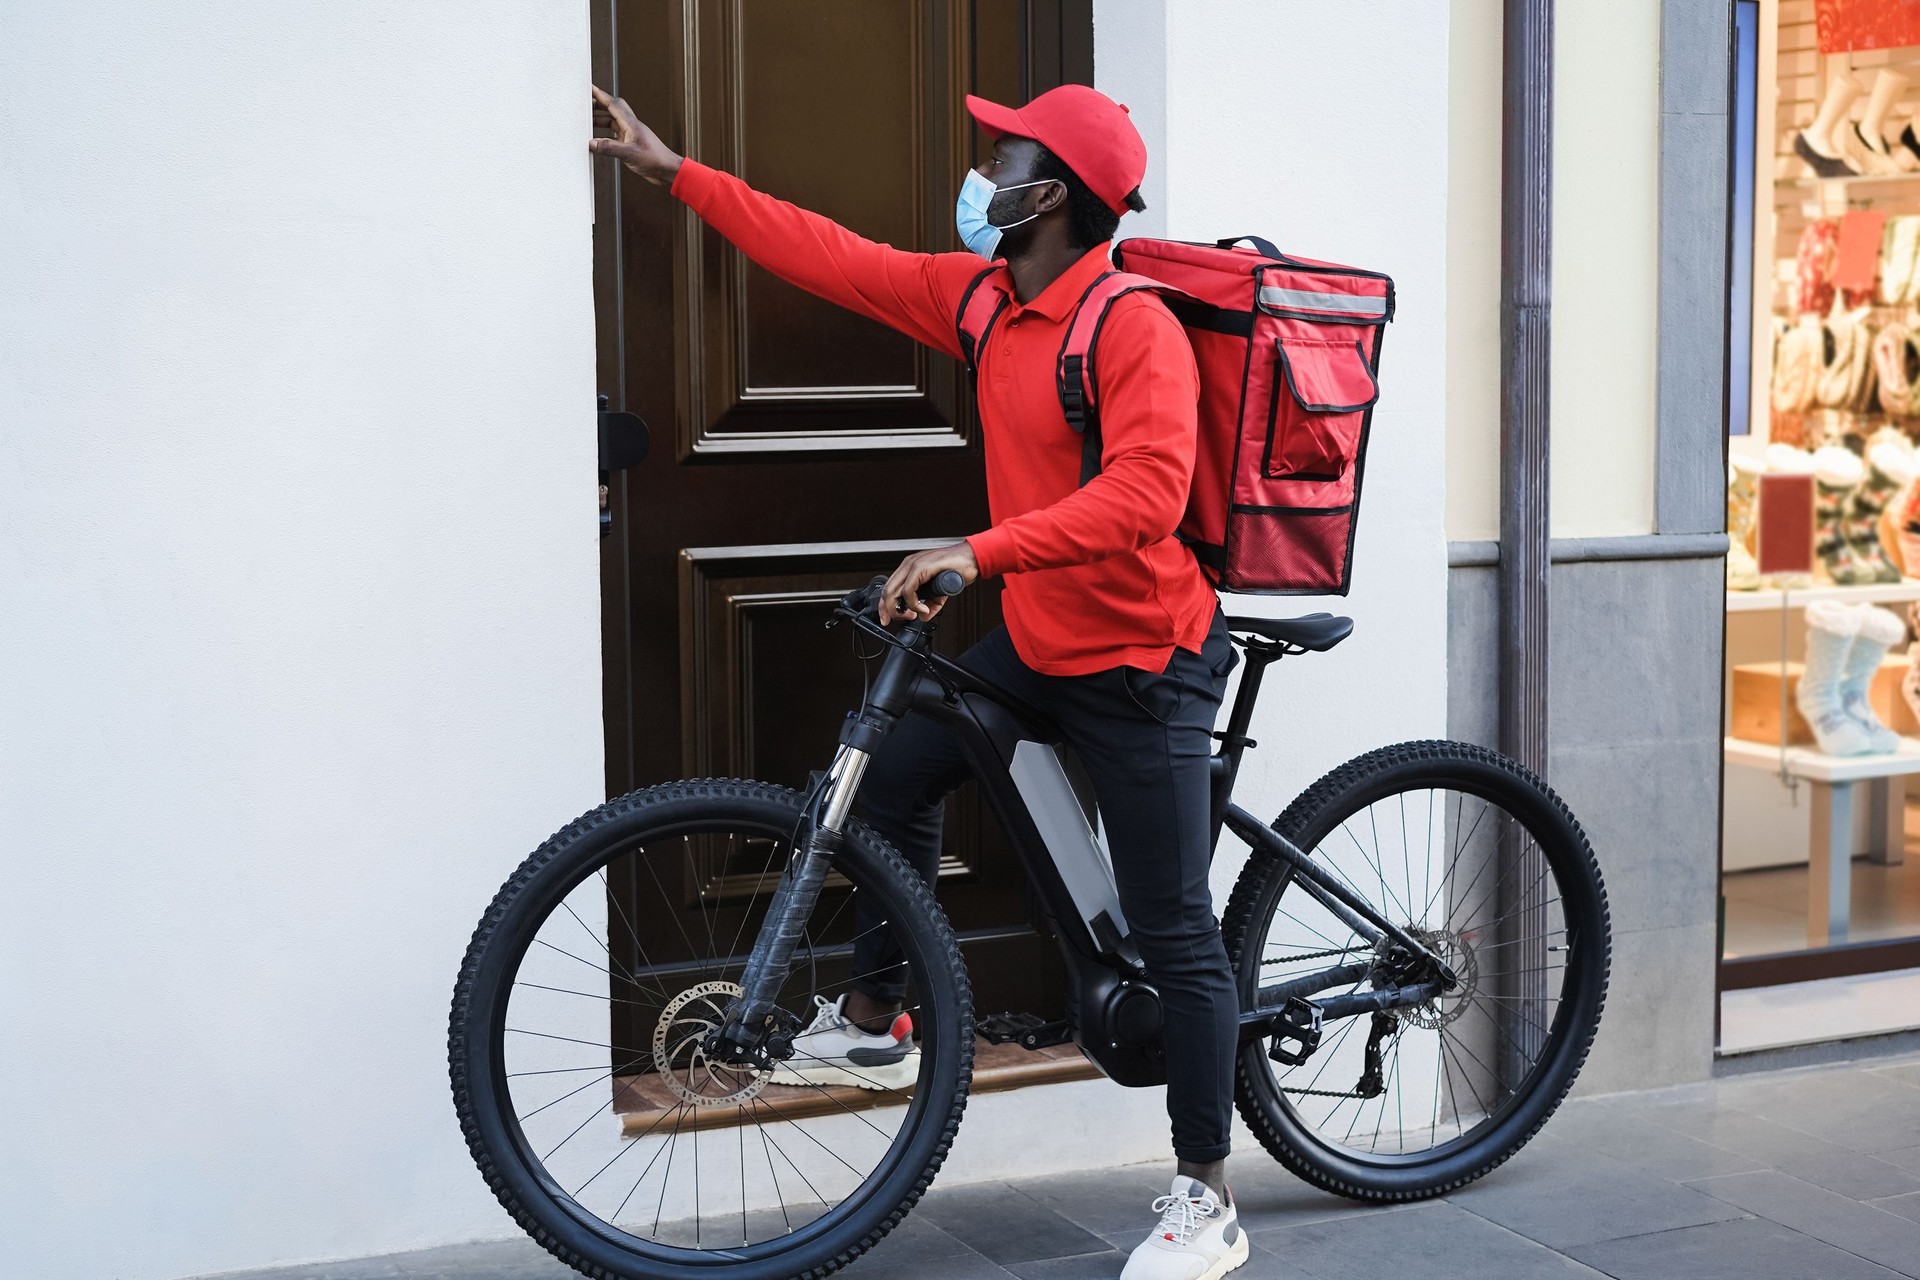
[(1358, 304)]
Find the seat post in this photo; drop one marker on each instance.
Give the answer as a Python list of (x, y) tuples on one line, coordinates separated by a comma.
[(1226, 761)]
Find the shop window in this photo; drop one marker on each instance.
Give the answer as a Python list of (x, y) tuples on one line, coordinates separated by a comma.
[(1820, 856)]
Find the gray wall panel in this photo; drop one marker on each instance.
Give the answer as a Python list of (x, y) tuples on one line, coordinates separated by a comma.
[(1689, 487), (1693, 55), (1635, 700)]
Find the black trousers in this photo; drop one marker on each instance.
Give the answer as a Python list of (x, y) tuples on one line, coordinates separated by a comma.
[(1144, 738)]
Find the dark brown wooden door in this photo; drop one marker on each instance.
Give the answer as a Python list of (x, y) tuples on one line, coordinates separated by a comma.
[(798, 449)]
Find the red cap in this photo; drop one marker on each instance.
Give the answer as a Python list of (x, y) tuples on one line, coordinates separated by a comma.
[(1090, 132)]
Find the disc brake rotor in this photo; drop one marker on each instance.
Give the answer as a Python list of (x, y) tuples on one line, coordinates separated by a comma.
[(682, 1062)]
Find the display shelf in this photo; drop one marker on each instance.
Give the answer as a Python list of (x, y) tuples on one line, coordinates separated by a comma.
[(1817, 766), (1811, 183), (1770, 598)]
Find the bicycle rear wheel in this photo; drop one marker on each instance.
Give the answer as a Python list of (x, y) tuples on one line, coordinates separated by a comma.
[(576, 1031), (1477, 858)]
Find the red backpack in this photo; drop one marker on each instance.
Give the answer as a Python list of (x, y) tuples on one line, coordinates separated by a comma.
[(1288, 349)]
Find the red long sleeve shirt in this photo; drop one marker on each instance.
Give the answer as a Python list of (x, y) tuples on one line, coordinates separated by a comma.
[(1094, 576)]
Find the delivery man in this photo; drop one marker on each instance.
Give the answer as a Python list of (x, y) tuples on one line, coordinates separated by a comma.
[(1110, 626)]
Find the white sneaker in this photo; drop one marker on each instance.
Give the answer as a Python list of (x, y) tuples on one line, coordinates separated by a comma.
[(833, 1051), (1198, 1238)]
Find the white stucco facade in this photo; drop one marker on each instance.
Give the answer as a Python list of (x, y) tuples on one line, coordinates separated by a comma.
[(298, 569), (299, 620), (1606, 269)]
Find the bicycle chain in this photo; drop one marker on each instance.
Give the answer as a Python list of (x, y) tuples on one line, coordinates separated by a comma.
[(1326, 1093), (1311, 955)]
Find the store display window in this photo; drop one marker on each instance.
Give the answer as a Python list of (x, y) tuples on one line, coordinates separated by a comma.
[(1820, 851)]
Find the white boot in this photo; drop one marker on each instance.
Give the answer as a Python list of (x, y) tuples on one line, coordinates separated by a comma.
[(1910, 683), (1879, 631), (1743, 574), (1889, 466), (1832, 629), (1906, 526), (1837, 474)]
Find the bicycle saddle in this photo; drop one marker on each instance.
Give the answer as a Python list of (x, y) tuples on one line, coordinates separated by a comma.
[(1315, 632)]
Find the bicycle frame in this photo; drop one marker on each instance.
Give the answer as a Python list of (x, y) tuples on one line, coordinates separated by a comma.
[(1113, 1011)]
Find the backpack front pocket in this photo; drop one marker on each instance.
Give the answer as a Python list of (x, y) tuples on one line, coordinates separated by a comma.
[(1320, 397)]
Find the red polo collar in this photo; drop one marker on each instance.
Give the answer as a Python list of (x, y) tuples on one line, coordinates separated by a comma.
[(1058, 299)]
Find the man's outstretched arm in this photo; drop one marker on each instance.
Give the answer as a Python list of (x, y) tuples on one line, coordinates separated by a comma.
[(916, 293)]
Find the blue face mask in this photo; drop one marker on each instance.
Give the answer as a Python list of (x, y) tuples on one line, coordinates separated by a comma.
[(970, 213)]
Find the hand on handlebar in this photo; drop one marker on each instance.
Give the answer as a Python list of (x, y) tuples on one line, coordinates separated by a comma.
[(633, 144), (900, 597)]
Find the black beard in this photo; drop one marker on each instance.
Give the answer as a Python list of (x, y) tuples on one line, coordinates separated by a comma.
[(1005, 208)]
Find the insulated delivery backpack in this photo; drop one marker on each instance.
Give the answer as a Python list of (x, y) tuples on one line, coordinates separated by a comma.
[(1288, 349)]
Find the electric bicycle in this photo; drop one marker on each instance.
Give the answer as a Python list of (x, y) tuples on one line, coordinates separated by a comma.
[(1420, 942)]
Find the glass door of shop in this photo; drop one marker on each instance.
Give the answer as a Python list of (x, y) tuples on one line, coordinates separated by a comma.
[(1820, 849)]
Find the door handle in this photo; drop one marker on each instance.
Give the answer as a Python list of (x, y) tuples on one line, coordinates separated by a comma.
[(623, 445)]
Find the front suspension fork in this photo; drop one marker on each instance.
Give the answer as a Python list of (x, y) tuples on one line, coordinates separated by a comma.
[(757, 1028), (756, 1020)]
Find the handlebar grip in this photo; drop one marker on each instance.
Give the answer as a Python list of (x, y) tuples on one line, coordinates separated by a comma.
[(947, 582)]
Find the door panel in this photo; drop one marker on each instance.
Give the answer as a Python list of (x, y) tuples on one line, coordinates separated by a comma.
[(850, 110), (809, 448)]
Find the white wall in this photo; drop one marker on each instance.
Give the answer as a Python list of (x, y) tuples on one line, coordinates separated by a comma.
[(1323, 127), (1606, 268), (298, 602), (1473, 269)]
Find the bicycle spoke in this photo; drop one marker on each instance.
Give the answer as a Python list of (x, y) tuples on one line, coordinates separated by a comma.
[(1452, 870), (667, 1095), (604, 1075), (632, 1146)]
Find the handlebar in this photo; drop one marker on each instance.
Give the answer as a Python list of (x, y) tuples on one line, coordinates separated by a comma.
[(947, 583)]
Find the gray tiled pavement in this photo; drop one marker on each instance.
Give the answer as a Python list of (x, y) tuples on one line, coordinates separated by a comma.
[(1813, 1172)]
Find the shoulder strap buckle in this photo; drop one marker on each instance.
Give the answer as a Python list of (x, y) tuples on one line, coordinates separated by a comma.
[(1078, 380)]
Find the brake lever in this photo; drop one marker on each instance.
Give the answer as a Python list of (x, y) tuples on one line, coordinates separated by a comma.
[(857, 601), (861, 601)]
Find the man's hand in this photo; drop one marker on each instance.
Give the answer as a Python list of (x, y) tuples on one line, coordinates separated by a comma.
[(633, 144), (918, 568)]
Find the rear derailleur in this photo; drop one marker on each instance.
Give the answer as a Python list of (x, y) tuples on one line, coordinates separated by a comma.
[(1299, 1024)]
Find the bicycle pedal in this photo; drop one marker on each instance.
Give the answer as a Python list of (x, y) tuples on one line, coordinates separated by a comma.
[(1299, 1022), (1028, 1030)]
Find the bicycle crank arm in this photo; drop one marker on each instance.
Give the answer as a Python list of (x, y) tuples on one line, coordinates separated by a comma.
[(1326, 887)]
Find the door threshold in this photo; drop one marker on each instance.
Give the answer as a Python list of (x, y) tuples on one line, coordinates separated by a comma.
[(1824, 1010), (644, 1100)]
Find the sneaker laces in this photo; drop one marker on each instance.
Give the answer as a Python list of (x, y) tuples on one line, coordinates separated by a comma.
[(1180, 1216), (826, 1015)]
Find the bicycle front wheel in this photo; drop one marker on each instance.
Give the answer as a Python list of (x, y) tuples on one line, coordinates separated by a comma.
[(1479, 860), (576, 1034)]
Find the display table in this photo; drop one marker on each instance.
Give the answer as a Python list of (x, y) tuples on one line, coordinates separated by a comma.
[(1835, 782), (1773, 598)]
